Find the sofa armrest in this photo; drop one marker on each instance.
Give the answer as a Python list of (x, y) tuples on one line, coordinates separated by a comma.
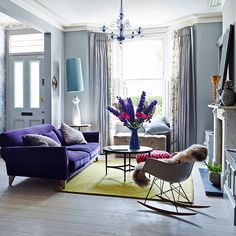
[(91, 136), (36, 161)]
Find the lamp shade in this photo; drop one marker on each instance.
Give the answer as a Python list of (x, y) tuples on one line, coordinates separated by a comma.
[(74, 75)]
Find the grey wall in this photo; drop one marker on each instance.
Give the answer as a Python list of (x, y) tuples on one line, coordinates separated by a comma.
[(57, 65), (54, 105), (77, 45), (206, 61), (229, 17)]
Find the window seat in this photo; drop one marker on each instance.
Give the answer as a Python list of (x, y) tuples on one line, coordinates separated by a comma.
[(157, 142)]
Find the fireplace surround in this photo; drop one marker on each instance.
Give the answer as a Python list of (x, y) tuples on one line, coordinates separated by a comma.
[(224, 141)]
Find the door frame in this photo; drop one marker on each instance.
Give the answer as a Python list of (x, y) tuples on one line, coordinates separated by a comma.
[(9, 91), (46, 73)]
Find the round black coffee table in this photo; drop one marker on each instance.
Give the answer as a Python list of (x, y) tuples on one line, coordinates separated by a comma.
[(124, 149)]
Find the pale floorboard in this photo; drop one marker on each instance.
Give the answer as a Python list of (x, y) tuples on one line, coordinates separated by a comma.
[(32, 207)]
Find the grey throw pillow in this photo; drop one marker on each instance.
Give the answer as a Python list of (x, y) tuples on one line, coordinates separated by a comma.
[(53, 136), (157, 126), (40, 140), (71, 135)]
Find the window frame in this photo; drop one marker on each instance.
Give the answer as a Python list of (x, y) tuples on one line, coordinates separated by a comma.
[(165, 38), (16, 33)]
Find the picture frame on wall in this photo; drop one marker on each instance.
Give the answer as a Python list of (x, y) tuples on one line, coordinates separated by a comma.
[(225, 45)]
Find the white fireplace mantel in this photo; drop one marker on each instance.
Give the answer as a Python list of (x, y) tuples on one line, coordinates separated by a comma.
[(224, 133)]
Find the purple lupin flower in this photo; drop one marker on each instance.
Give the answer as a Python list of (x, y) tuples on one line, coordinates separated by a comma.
[(150, 107), (125, 123), (130, 108), (141, 102), (113, 111), (122, 104)]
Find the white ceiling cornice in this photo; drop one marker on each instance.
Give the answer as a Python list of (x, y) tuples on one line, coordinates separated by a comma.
[(195, 19), (12, 26), (179, 23), (208, 17)]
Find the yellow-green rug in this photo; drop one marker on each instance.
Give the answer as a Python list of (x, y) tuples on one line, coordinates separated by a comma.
[(93, 180)]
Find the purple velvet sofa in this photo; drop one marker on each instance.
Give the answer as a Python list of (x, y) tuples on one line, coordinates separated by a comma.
[(60, 163)]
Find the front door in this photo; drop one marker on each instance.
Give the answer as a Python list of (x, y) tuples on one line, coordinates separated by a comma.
[(26, 93)]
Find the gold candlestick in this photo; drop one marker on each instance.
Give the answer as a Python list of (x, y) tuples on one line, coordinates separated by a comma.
[(215, 79)]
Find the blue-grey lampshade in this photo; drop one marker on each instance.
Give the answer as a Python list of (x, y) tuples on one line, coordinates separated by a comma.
[(74, 75)]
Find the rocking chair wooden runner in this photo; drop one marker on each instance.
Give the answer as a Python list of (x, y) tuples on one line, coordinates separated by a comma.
[(174, 174)]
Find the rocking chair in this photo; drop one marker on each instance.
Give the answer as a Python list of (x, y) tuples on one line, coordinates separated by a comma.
[(172, 174)]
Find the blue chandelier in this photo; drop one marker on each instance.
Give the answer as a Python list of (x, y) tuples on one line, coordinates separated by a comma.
[(122, 25)]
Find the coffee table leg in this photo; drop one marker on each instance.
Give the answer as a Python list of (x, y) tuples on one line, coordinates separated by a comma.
[(124, 167), (106, 161), (129, 161)]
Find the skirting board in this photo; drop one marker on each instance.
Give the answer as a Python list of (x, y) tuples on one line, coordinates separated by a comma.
[(210, 189)]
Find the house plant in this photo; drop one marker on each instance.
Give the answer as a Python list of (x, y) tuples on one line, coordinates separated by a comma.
[(214, 172), (131, 118)]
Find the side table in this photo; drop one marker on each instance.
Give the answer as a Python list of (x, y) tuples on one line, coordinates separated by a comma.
[(78, 127)]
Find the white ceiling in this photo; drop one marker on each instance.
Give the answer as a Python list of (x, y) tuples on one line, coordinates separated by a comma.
[(99, 12)]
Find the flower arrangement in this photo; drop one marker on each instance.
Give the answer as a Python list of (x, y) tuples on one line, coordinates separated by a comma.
[(125, 111)]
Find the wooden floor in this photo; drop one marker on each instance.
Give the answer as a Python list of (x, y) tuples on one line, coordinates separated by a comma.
[(32, 207)]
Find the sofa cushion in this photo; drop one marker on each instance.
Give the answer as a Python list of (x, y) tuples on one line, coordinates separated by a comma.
[(77, 159), (59, 135), (14, 137), (157, 126), (53, 136), (39, 140), (71, 135), (91, 148)]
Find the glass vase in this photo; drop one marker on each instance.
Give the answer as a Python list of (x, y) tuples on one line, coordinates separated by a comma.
[(134, 143), (215, 79)]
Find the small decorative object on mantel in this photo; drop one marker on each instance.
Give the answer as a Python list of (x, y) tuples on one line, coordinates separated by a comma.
[(228, 96), (215, 79), (124, 110)]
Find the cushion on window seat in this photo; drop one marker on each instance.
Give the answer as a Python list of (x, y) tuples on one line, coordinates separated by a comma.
[(157, 126)]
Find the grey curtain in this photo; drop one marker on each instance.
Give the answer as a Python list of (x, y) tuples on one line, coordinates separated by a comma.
[(2, 81), (186, 120), (99, 61)]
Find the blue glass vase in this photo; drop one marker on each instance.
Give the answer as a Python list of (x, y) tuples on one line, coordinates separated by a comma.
[(134, 143)]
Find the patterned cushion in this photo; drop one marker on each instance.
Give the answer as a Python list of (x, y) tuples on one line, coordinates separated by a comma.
[(53, 136), (39, 140), (71, 135), (156, 154)]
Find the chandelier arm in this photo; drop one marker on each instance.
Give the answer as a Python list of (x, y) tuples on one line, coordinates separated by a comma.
[(114, 35), (121, 25)]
